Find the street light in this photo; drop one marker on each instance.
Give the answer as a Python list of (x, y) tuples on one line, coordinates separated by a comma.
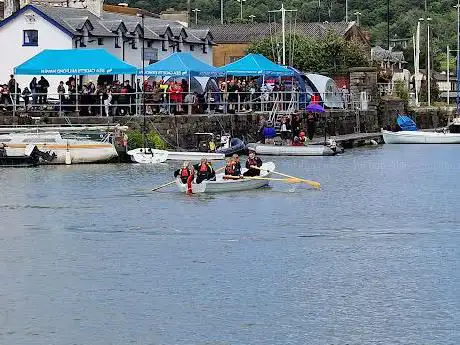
[(428, 62), (457, 74), (253, 16), (241, 8), (143, 79), (357, 14), (196, 10)]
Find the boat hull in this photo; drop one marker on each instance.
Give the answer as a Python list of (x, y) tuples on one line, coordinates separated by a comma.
[(79, 153), (221, 185), (147, 156), (279, 150), (417, 137), (236, 146)]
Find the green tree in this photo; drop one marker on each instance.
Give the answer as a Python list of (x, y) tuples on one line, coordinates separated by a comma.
[(330, 55)]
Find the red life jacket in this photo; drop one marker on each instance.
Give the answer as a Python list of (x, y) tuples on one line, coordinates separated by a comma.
[(184, 172), (252, 161), (203, 167), (229, 170)]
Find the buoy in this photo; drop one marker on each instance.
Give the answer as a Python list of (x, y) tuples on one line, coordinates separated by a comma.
[(68, 158), (373, 142)]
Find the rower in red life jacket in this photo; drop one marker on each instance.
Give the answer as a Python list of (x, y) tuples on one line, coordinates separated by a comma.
[(229, 169), (236, 164), (204, 171), (185, 172), (253, 160)]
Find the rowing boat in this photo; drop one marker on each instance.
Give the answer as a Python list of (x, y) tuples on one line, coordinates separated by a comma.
[(223, 185)]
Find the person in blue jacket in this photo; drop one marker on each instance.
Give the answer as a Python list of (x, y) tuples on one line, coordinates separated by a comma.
[(269, 132)]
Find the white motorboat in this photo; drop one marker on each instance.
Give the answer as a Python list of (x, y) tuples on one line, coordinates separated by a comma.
[(142, 155), (68, 151), (148, 156), (284, 150), (223, 185), (419, 137)]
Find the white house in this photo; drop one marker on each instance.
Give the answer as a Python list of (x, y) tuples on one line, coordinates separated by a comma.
[(54, 26)]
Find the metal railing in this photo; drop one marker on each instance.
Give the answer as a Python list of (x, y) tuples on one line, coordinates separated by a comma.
[(120, 104)]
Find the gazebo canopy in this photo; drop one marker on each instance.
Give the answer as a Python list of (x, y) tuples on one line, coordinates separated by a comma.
[(255, 65), (74, 62), (181, 64)]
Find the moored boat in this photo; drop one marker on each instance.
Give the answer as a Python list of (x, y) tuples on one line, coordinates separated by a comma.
[(419, 137), (147, 156), (32, 157), (137, 155), (284, 150), (223, 185), (234, 145), (72, 150)]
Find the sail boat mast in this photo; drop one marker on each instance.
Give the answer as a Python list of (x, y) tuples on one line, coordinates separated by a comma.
[(283, 29)]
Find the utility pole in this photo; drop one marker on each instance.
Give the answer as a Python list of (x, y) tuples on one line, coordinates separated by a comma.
[(346, 11), (222, 12), (283, 29), (448, 74), (457, 74), (196, 10), (241, 8), (357, 14), (388, 25), (252, 18)]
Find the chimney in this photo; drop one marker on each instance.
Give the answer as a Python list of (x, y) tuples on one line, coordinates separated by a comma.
[(96, 7), (11, 6)]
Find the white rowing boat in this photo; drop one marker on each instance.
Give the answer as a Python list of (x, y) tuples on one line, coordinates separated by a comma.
[(222, 185), (418, 137), (142, 155), (284, 150)]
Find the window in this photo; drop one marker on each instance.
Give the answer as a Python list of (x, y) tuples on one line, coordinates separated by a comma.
[(135, 43), (205, 48), (164, 45), (117, 42), (100, 41), (192, 47), (30, 38)]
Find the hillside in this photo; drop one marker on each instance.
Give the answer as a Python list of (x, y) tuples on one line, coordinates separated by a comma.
[(403, 15)]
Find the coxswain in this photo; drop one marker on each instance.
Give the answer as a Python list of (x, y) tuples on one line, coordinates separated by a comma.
[(252, 160), (184, 173), (236, 165), (203, 171)]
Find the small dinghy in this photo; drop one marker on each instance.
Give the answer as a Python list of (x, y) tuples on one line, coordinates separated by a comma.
[(231, 146), (284, 150), (222, 185), (159, 156)]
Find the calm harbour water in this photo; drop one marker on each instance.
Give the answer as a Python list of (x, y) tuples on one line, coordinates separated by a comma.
[(88, 255)]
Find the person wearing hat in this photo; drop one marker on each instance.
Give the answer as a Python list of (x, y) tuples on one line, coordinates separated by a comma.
[(252, 160)]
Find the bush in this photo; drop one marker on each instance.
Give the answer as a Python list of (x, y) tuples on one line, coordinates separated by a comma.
[(136, 140), (401, 90)]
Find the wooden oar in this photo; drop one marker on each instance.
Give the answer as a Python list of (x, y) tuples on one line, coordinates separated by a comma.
[(174, 181), (310, 182), (287, 180)]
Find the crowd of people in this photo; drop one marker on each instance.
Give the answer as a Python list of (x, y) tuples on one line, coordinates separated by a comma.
[(119, 98)]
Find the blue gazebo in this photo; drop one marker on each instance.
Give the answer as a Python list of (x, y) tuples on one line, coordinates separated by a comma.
[(181, 64), (253, 65), (74, 62)]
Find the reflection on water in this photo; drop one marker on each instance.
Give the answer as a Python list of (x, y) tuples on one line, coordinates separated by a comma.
[(89, 255)]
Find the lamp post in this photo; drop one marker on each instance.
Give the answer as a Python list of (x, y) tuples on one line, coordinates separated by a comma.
[(241, 8), (196, 10), (252, 18), (346, 11), (357, 14)]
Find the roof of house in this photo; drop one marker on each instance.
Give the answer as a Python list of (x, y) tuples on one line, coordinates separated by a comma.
[(132, 11), (2, 9), (245, 33), (72, 20), (380, 54)]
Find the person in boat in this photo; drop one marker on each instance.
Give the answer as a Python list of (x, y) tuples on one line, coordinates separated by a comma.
[(229, 169), (204, 171), (185, 172), (302, 138), (236, 165), (252, 160), (296, 142)]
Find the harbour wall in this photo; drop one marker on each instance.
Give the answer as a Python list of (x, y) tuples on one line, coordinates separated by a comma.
[(178, 130)]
